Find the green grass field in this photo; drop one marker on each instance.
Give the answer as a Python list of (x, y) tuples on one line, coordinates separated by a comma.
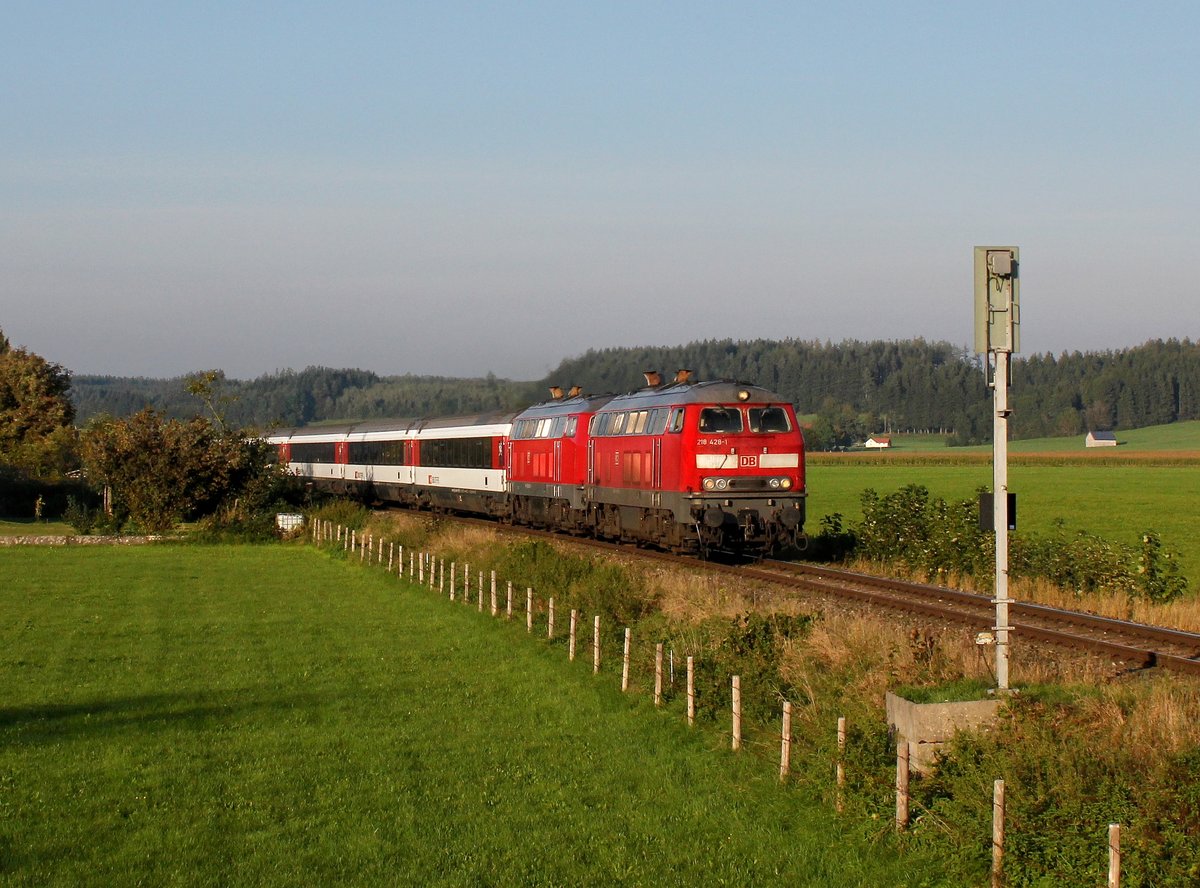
[(1178, 436), (1117, 502), (271, 715), (29, 527)]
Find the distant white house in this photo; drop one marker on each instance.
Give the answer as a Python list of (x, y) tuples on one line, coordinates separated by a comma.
[(878, 442), (1100, 439)]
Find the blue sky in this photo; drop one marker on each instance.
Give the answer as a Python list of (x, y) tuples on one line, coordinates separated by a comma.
[(462, 188)]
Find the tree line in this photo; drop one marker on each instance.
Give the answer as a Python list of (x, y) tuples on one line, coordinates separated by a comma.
[(845, 390)]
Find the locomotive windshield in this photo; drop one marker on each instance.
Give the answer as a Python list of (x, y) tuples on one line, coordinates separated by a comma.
[(769, 419), (720, 419)]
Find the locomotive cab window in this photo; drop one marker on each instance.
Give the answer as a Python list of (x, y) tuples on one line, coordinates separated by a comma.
[(769, 419), (720, 419)]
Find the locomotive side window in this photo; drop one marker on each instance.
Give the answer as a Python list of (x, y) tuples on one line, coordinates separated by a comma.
[(657, 422), (637, 423), (313, 453), (572, 424), (676, 421), (720, 419), (618, 424), (769, 419)]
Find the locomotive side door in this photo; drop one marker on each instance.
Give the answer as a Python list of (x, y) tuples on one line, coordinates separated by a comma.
[(557, 460)]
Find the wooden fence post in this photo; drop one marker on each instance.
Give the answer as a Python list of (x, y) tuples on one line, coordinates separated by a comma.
[(901, 785), (1114, 855), (625, 664), (785, 751), (508, 605), (998, 834), (391, 555), (528, 610), (442, 577), (691, 691), (453, 578), (737, 712), (411, 562), (596, 646), (658, 648), (571, 647), (353, 540), (421, 570), (495, 608), (550, 618), (479, 574), (466, 582), (841, 763), (362, 550)]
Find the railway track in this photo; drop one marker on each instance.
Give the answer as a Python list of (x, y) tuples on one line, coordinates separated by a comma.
[(1136, 645)]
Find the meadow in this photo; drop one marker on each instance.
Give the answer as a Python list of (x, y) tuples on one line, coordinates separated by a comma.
[(185, 714), (1115, 499)]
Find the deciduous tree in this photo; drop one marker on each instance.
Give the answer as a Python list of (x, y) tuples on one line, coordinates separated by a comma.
[(36, 432)]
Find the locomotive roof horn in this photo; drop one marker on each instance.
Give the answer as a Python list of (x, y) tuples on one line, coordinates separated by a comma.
[(653, 378), (556, 392), (683, 376)]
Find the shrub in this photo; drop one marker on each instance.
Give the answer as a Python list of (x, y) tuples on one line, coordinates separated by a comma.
[(937, 537)]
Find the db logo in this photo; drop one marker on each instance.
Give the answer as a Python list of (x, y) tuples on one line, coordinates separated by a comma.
[(748, 462)]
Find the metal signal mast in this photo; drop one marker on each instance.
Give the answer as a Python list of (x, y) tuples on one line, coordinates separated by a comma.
[(997, 337)]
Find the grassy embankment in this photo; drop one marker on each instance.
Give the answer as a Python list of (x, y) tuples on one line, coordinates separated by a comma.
[(183, 715)]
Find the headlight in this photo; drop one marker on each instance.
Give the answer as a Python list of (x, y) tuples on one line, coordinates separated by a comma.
[(709, 484), (774, 482), (785, 483), (722, 483)]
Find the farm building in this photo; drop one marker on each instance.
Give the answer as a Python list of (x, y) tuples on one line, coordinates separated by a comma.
[(1100, 439), (878, 442)]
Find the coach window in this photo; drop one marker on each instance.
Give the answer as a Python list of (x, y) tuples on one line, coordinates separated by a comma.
[(769, 419), (720, 420)]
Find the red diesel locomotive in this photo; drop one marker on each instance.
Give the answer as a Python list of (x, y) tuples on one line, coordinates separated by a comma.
[(688, 466)]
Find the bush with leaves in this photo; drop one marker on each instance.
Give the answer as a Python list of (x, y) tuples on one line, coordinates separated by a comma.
[(164, 471), (934, 536)]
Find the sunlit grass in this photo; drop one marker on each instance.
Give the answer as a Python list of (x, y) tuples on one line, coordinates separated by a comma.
[(275, 715)]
